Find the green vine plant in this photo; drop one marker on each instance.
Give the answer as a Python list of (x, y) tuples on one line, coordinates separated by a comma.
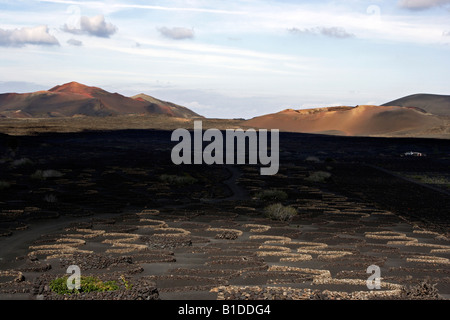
[(87, 284), (126, 283)]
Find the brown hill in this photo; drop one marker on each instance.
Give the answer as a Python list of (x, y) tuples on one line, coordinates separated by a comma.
[(356, 121), (169, 107), (431, 103), (73, 99)]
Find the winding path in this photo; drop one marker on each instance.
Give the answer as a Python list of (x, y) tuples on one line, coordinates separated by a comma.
[(239, 193)]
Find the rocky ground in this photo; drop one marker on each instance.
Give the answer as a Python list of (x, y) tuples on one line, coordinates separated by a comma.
[(111, 213)]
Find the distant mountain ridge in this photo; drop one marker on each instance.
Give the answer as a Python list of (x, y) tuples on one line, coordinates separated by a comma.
[(431, 103), (76, 99)]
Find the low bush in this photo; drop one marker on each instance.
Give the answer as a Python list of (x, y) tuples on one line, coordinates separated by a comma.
[(126, 283), (312, 159), (177, 180), (318, 176), (44, 174), (4, 185), (279, 212), (272, 194), (50, 198), (21, 163)]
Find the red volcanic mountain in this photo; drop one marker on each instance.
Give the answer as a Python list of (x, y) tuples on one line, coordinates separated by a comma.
[(72, 99), (167, 107)]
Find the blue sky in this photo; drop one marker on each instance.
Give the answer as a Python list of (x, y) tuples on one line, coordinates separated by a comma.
[(230, 59)]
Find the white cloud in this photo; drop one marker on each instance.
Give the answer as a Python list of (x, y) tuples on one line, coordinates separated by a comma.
[(421, 4), (21, 86), (180, 9), (74, 42), (111, 6), (195, 105), (94, 26), (34, 35), (333, 32), (176, 33), (224, 58)]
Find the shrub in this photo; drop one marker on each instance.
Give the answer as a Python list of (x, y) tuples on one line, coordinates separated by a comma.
[(44, 174), (50, 198), (272, 194), (177, 180), (279, 212), (21, 162), (318, 176), (126, 283), (312, 159), (87, 284), (4, 185)]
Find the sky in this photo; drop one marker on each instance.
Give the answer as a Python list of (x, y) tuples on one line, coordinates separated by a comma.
[(234, 58)]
